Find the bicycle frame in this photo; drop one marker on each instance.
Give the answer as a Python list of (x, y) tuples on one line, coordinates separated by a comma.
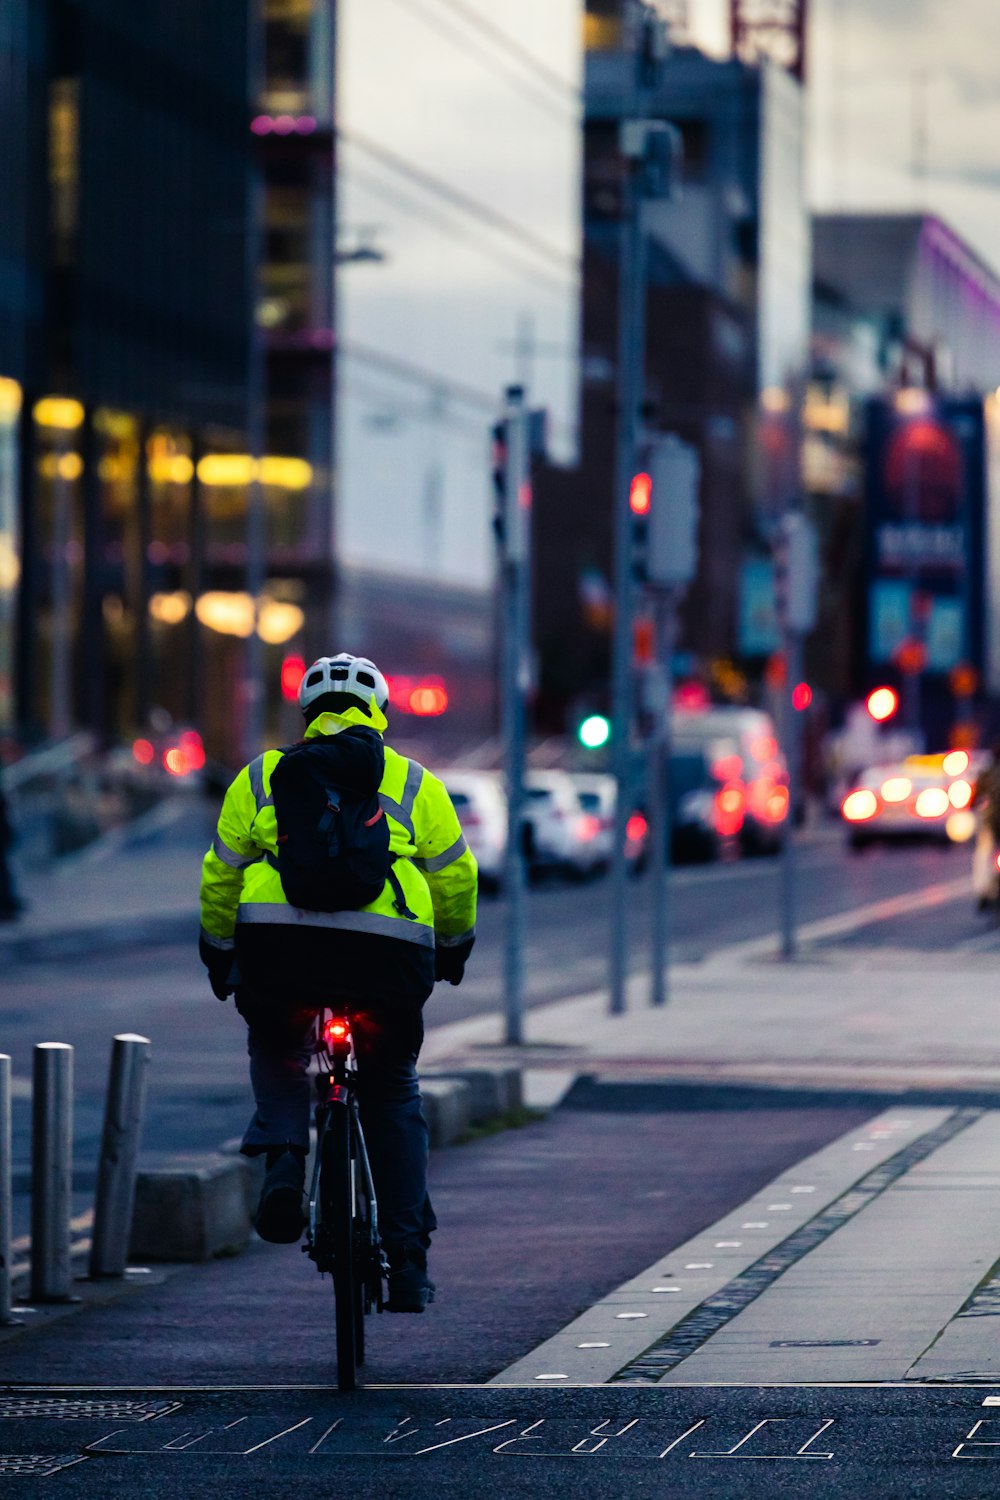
[(337, 1088)]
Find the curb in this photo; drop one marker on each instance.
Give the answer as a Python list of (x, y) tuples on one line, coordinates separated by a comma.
[(201, 1208)]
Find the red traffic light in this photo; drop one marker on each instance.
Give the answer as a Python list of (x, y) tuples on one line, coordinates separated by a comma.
[(882, 703), (802, 696), (292, 672), (640, 495)]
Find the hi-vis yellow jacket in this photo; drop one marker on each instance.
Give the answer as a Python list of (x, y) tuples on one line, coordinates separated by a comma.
[(434, 866)]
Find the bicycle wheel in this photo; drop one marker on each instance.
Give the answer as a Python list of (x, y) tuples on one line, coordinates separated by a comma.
[(337, 1204)]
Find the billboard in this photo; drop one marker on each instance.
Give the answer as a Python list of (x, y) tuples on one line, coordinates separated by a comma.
[(925, 486)]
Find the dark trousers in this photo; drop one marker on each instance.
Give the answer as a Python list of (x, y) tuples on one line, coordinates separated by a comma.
[(387, 1040), (284, 977)]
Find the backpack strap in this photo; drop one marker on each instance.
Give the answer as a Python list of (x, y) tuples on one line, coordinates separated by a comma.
[(398, 898)]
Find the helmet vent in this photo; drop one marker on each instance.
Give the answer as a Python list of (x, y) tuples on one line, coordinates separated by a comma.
[(367, 679), (314, 679)]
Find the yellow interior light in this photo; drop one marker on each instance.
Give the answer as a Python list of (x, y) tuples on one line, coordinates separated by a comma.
[(774, 399), (115, 424), (170, 468), (60, 465), (288, 473), (170, 609), (278, 622), (10, 400), (10, 564), (58, 411), (227, 613), (223, 469)]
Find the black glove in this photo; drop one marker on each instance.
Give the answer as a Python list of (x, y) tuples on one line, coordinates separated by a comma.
[(219, 963), (449, 963)]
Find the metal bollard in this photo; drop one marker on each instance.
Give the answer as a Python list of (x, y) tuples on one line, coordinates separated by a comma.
[(51, 1171), (123, 1111), (6, 1206)]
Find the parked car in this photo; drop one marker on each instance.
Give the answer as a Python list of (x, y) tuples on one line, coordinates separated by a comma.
[(922, 796), (749, 767), (481, 804), (701, 828), (598, 796), (559, 836)]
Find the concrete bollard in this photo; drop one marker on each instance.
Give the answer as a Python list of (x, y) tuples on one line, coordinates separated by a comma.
[(51, 1171), (6, 1206), (116, 1169)]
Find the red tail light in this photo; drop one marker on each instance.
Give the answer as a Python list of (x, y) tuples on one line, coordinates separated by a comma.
[(730, 808), (336, 1030), (636, 828)]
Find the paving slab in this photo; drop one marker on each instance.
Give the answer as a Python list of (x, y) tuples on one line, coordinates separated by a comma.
[(603, 1339)]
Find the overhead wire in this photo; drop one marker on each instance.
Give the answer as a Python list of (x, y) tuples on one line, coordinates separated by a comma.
[(535, 276), (566, 110), (509, 44), (436, 186)]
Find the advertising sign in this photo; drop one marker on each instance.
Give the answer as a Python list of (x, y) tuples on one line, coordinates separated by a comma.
[(924, 495)]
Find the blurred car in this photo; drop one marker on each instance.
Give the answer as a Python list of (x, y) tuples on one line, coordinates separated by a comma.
[(747, 764), (922, 796), (559, 835), (598, 794), (700, 828), (481, 804)]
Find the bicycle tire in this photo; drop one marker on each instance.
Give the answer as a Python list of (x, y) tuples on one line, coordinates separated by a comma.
[(337, 1203)]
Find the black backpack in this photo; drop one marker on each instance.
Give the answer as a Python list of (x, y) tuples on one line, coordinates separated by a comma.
[(333, 837)]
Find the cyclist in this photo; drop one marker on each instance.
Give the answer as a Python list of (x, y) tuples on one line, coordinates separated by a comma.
[(382, 959)]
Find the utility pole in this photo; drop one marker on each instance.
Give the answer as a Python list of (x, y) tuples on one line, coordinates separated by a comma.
[(796, 581), (648, 149), (512, 480), (667, 561)]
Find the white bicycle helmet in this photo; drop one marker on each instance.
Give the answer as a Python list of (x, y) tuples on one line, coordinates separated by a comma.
[(354, 675)]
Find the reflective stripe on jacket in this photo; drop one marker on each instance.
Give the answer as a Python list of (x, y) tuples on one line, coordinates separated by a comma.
[(434, 866)]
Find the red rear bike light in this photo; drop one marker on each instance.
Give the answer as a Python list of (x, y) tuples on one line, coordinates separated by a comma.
[(336, 1030)]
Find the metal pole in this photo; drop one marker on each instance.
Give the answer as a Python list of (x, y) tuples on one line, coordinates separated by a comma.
[(123, 1113), (253, 704), (6, 1206), (790, 736), (660, 829), (631, 346), (51, 1170), (513, 687)]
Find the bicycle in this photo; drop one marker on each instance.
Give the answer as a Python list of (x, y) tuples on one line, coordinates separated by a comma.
[(342, 1236)]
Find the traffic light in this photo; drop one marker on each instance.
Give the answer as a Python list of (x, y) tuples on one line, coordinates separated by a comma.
[(802, 696), (663, 499), (594, 731), (882, 703), (293, 670)]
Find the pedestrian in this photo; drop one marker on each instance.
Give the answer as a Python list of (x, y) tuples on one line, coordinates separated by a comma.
[(306, 930)]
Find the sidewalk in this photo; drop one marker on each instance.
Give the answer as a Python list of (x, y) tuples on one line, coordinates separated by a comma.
[(136, 885)]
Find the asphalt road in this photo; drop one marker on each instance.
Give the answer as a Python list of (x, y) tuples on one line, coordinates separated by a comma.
[(231, 1363), (827, 1444), (198, 1091)]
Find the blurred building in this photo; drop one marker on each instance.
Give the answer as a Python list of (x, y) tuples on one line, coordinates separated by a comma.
[(900, 422), (123, 348), (190, 253), (727, 319)]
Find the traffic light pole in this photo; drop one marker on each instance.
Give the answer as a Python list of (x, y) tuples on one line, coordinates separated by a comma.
[(792, 740), (665, 606), (514, 542), (631, 357)]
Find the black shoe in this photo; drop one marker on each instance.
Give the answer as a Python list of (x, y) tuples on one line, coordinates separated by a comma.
[(410, 1288), (280, 1219)]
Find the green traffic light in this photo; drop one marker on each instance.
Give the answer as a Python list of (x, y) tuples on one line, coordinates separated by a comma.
[(594, 732)]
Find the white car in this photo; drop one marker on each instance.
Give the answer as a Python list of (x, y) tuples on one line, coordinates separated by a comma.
[(598, 794), (559, 836), (481, 804)]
